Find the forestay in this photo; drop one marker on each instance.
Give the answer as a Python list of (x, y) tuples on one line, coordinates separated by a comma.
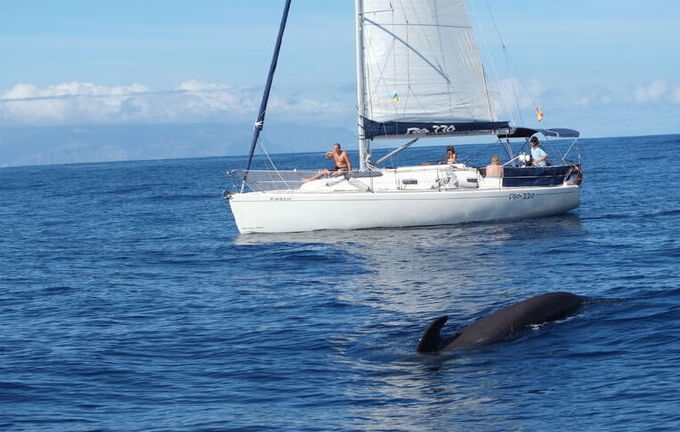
[(423, 73)]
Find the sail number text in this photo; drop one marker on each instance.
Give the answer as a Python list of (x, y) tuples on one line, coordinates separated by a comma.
[(522, 196), (436, 130)]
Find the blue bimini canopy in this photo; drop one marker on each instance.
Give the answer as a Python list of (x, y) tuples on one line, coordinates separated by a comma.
[(522, 132)]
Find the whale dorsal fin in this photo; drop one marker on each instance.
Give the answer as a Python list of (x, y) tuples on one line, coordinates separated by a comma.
[(431, 338)]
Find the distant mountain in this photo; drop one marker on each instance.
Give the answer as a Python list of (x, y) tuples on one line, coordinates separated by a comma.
[(77, 144)]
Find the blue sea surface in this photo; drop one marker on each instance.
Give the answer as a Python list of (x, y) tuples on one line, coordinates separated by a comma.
[(129, 302)]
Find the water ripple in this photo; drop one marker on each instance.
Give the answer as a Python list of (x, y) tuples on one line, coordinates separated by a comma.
[(129, 302)]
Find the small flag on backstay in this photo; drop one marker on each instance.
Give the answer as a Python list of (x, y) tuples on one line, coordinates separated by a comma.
[(539, 114)]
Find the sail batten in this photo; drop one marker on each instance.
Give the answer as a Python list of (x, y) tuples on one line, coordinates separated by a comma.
[(421, 65)]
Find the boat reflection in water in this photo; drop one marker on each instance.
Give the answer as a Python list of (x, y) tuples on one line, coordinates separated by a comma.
[(428, 270)]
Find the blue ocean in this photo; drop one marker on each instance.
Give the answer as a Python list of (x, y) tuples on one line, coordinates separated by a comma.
[(129, 302)]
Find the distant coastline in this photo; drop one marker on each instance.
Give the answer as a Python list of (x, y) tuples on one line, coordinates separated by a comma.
[(56, 145)]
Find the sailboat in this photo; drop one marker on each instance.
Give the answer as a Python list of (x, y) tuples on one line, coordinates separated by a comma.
[(419, 75)]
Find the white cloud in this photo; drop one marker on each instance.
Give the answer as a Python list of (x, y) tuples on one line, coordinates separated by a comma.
[(509, 95), (591, 96), (192, 101), (658, 91), (652, 92), (56, 104)]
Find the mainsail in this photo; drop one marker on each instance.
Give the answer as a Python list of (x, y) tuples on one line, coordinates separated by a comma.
[(422, 70)]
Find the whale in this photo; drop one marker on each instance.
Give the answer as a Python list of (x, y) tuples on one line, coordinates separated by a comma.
[(504, 324)]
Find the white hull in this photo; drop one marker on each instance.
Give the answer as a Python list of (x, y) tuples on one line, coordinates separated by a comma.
[(281, 211)]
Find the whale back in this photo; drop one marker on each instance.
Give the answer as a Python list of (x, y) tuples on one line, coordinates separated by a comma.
[(514, 319)]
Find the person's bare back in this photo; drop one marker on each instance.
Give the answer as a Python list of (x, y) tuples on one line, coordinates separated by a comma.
[(494, 169)]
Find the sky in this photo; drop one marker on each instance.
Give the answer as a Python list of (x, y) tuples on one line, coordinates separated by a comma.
[(605, 67)]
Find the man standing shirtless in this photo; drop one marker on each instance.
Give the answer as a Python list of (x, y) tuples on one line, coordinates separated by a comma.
[(342, 163)]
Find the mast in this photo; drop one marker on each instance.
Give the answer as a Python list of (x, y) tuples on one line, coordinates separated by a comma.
[(259, 124), (364, 144)]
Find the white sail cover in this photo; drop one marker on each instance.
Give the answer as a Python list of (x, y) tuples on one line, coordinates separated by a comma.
[(421, 63)]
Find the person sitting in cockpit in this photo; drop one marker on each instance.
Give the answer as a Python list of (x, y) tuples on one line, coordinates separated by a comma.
[(494, 169), (451, 156)]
